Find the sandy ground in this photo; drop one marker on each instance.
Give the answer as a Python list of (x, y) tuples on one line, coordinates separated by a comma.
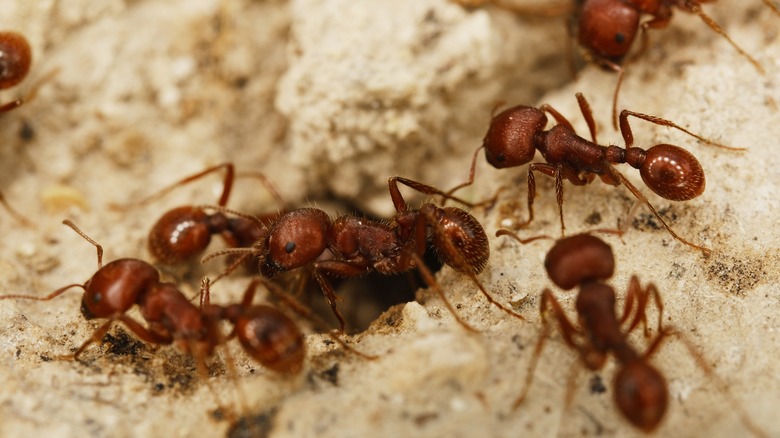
[(329, 100)]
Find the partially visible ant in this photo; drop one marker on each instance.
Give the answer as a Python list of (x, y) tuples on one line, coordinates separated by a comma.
[(640, 390), (350, 246), (517, 133), (266, 334), (183, 233), (606, 30), (15, 61)]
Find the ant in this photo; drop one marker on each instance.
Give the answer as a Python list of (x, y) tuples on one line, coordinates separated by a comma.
[(640, 390), (517, 133), (606, 30), (350, 246), (15, 61), (184, 232), (266, 334)]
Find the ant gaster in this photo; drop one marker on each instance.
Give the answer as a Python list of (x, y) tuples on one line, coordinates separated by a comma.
[(350, 246), (265, 333), (517, 133), (640, 390)]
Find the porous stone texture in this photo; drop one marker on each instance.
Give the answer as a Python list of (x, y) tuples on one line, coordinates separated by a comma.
[(331, 98)]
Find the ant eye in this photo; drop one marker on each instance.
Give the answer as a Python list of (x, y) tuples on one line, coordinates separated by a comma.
[(289, 247), (501, 157), (97, 297), (620, 38)]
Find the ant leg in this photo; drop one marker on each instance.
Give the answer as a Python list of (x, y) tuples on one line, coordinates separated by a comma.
[(14, 214), (400, 203), (772, 6), (547, 11), (549, 303), (227, 185), (305, 312), (134, 326), (628, 136), (704, 365), (641, 295), (587, 113), (637, 194), (557, 116), (505, 232), (338, 269), (695, 7), (430, 280)]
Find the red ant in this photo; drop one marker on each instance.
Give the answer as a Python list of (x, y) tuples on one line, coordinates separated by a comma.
[(15, 61), (640, 390), (184, 232), (517, 133), (265, 333), (350, 246), (606, 29)]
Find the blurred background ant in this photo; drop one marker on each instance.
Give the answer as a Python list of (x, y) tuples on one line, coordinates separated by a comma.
[(517, 133), (640, 391), (605, 30), (266, 334)]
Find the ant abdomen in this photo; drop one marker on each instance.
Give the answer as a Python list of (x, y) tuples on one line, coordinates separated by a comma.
[(471, 249), (672, 173), (509, 141), (271, 338), (608, 27), (641, 394), (181, 234), (15, 59), (579, 258), (115, 287)]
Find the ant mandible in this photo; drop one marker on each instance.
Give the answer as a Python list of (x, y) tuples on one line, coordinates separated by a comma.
[(350, 246), (183, 233), (640, 390), (266, 334), (517, 133), (606, 29)]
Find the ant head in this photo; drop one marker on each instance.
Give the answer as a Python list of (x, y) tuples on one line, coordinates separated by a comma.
[(509, 141), (15, 59), (271, 338), (641, 394), (295, 239), (672, 173), (579, 258), (607, 28), (179, 235), (116, 287), (460, 241)]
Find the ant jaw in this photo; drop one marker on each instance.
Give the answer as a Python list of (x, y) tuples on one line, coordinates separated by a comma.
[(88, 315)]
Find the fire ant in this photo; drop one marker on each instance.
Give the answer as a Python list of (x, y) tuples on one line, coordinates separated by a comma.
[(184, 232), (606, 30), (15, 61), (640, 390), (350, 246), (517, 133), (266, 334)]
